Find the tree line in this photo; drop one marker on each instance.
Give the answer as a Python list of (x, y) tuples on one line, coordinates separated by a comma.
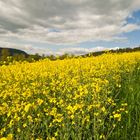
[(6, 57)]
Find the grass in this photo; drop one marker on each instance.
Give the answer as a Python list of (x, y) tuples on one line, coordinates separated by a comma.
[(129, 128)]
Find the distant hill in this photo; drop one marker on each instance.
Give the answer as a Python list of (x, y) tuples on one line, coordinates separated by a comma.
[(13, 52)]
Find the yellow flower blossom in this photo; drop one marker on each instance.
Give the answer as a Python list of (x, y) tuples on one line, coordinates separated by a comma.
[(64, 98)]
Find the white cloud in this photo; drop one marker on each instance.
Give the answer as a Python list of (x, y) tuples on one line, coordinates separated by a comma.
[(130, 27), (80, 51)]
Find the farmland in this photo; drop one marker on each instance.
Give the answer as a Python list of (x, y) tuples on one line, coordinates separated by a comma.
[(72, 99)]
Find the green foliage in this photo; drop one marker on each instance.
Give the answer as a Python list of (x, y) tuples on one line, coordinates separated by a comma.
[(130, 93), (8, 56), (4, 54)]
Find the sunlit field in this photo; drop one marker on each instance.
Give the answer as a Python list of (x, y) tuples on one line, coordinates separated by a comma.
[(95, 98)]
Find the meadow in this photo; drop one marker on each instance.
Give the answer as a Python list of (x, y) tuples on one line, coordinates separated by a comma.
[(93, 98)]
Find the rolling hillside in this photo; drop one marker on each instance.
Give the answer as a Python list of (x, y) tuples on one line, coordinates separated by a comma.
[(13, 52)]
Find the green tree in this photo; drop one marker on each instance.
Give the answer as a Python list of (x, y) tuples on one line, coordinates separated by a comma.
[(19, 57), (4, 54)]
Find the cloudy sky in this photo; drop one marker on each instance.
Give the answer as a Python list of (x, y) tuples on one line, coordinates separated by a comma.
[(69, 26)]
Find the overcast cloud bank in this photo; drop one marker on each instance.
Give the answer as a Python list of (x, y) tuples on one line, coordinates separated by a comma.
[(62, 22)]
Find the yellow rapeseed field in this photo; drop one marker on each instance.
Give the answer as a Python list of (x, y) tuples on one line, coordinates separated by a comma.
[(64, 99)]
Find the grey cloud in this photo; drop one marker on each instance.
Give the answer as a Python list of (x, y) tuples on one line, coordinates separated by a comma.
[(76, 21), (29, 48)]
